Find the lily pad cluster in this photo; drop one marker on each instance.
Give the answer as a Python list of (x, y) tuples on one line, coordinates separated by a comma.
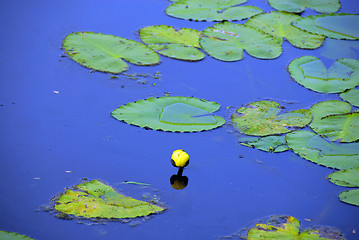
[(347, 178)]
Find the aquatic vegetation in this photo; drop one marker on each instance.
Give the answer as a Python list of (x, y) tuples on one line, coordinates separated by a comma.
[(347, 178), (104, 53), (297, 6), (350, 197), (13, 236), (351, 96), (335, 49), (173, 114), (268, 144)]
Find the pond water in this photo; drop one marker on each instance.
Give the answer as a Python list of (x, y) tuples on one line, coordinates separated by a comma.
[(46, 133)]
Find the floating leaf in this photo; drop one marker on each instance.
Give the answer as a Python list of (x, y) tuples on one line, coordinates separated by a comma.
[(351, 96), (167, 41), (335, 49), (311, 73), (96, 200), (226, 41), (345, 178), (351, 197), (278, 24), (314, 148), (297, 6), (104, 52), (339, 25), (334, 120), (211, 10), (4, 235), (269, 144), (262, 119), (173, 114)]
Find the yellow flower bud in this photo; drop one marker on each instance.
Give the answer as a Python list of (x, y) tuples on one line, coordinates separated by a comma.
[(179, 158)]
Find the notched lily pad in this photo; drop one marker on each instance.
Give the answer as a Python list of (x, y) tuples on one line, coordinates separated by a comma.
[(268, 144), (297, 6), (336, 25), (4, 235), (173, 114), (262, 119), (350, 197), (226, 42), (211, 10), (310, 72), (105, 52), (278, 24), (351, 96), (345, 178), (96, 200)]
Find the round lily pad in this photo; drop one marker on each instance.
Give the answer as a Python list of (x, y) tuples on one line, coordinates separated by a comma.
[(105, 52), (351, 96), (4, 235), (350, 197), (345, 178), (310, 72), (273, 144), (173, 114), (297, 6)]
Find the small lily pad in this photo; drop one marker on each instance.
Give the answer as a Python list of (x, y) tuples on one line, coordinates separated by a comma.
[(173, 114), (310, 72), (268, 144), (297, 6), (345, 178), (278, 24), (211, 10), (335, 25), (262, 119), (351, 96), (226, 42), (350, 197), (4, 235), (105, 52)]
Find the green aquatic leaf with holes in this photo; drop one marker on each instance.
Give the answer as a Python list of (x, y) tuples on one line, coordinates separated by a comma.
[(262, 118), (351, 96), (106, 53), (335, 25), (4, 235), (278, 24), (95, 199), (211, 10), (226, 42), (180, 44), (334, 120), (297, 6), (314, 148), (310, 72), (273, 144), (173, 114)]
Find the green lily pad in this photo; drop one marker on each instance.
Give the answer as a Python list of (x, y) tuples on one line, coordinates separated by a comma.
[(105, 52), (335, 49), (333, 119), (226, 41), (351, 96), (336, 25), (297, 6), (262, 119), (345, 178), (96, 200), (167, 41), (278, 24), (4, 235), (268, 144), (211, 10), (311, 73), (173, 114), (350, 197), (312, 147)]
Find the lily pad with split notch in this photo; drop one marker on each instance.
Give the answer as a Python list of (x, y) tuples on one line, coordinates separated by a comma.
[(297, 6), (273, 144)]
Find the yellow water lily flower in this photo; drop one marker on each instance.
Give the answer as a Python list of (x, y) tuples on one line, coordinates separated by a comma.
[(180, 158)]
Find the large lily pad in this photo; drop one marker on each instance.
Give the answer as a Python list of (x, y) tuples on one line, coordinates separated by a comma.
[(351, 96), (268, 144), (345, 178), (167, 41), (211, 10), (105, 52), (334, 120), (338, 26), (297, 6), (173, 114), (350, 196), (262, 119), (226, 41), (4, 235), (96, 200), (278, 24), (310, 72), (314, 148)]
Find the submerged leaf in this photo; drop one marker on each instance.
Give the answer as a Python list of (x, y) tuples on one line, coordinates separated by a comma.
[(335, 49), (297, 6), (345, 178), (4, 235), (173, 114), (269, 144), (350, 197), (351, 96), (311, 73)]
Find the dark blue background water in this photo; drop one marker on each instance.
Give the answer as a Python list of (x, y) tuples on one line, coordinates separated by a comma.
[(44, 134)]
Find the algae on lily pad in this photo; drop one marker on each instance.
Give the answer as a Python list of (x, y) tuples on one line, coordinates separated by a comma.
[(106, 53), (278, 24), (335, 25), (5, 235), (351, 96), (173, 114), (268, 144), (297, 6), (182, 44), (350, 197), (310, 72), (262, 118), (96, 200), (226, 41), (313, 147), (345, 178), (211, 10)]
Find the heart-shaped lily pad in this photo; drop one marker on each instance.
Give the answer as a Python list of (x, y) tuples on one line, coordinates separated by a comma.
[(4, 235), (310, 72), (105, 52), (173, 114), (350, 197), (268, 144), (211, 10), (297, 6), (351, 96), (336, 25), (226, 41), (278, 24), (345, 178), (262, 119)]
